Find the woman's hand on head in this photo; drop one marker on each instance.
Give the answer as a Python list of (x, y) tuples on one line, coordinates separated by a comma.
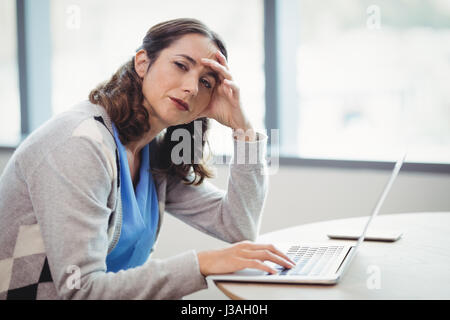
[(225, 105), (240, 256)]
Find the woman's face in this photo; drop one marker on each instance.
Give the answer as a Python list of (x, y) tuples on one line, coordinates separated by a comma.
[(178, 75)]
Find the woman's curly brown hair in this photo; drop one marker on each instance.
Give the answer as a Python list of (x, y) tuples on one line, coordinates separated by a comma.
[(122, 98)]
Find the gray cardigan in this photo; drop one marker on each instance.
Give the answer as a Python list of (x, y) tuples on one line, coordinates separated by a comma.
[(60, 215)]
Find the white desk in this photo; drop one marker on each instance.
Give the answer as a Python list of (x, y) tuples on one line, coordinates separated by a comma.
[(415, 267)]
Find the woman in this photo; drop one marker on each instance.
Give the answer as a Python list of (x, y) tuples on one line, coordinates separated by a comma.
[(80, 210)]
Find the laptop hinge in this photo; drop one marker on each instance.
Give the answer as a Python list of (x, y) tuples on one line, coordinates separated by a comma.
[(342, 262)]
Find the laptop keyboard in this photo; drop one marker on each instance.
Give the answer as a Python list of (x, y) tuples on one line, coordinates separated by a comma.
[(310, 261)]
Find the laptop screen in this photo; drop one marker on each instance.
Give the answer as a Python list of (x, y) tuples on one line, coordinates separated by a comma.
[(380, 201)]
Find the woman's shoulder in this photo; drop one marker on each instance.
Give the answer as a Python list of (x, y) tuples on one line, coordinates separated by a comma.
[(82, 121)]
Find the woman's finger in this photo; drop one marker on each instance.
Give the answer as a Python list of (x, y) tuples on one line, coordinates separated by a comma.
[(216, 66), (258, 264), (231, 84), (222, 59), (232, 87), (266, 255), (271, 248)]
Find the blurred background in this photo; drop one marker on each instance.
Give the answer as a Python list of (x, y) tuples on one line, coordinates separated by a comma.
[(347, 84)]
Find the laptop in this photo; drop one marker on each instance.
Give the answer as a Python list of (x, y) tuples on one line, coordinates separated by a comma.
[(316, 263)]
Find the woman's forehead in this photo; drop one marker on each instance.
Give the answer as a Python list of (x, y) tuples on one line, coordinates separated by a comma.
[(195, 46)]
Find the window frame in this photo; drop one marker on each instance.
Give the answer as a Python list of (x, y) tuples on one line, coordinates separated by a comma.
[(34, 63)]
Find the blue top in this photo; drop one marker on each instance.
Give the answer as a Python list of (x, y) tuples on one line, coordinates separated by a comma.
[(139, 214)]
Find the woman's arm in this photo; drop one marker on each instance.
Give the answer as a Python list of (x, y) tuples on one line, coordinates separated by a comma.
[(70, 190), (232, 215)]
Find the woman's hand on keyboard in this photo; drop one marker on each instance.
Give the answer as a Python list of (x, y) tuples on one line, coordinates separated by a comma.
[(240, 256)]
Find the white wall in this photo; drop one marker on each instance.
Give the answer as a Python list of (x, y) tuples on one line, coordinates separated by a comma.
[(303, 195)]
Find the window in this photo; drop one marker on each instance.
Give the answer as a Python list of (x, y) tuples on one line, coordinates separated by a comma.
[(349, 79), (91, 39), (9, 82), (371, 76)]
